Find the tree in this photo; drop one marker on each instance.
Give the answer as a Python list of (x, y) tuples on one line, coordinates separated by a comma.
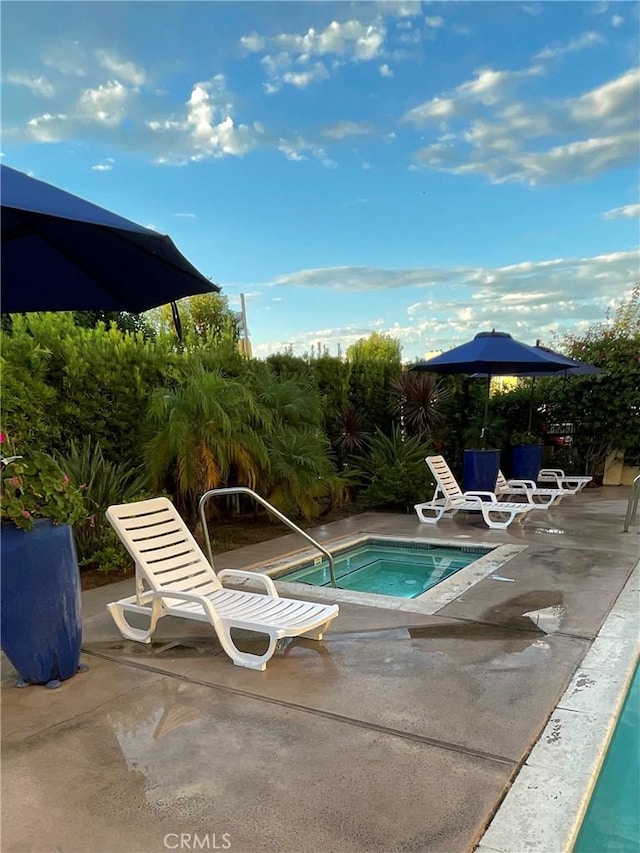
[(300, 472), (205, 318), (203, 437), (604, 409), (378, 347), (374, 363)]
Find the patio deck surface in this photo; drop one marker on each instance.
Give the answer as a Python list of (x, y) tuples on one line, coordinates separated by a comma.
[(399, 732)]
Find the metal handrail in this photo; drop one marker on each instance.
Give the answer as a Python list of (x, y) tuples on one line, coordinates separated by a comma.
[(242, 490), (632, 507)]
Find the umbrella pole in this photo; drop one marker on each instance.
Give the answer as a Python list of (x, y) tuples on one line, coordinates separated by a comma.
[(533, 385), (483, 434)]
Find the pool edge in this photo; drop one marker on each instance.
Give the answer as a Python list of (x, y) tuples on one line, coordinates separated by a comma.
[(563, 795), (429, 603)]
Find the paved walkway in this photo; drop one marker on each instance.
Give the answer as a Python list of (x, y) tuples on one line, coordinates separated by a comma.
[(401, 732)]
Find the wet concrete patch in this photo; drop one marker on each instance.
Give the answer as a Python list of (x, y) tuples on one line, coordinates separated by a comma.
[(575, 589), (184, 758), (476, 686)]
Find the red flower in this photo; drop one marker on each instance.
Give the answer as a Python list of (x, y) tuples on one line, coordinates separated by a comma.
[(26, 513), (66, 480), (15, 482), (3, 438)]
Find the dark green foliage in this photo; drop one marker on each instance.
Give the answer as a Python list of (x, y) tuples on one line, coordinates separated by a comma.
[(417, 400), (287, 366), (349, 435), (394, 471), (374, 364), (301, 478), (62, 382), (102, 483), (122, 320), (35, 486), (604, 409)]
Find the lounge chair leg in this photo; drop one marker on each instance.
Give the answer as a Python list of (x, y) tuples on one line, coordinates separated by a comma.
[(427, 507), (496, 524), (316, 634), (116, 609), (245, 658)]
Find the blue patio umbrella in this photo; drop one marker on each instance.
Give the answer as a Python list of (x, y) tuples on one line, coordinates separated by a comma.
[(62, 253), (494, 354), (573, 368)]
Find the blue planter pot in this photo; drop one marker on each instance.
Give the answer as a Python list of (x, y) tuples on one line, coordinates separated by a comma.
[(481, 470), (527, 461), (41, 627)]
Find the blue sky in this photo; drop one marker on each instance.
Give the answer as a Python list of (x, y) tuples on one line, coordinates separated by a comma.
[(428, 170)]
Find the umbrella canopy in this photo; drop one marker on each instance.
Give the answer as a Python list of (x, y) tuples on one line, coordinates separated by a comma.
[(573, 368), (62, 253), (495, 354)]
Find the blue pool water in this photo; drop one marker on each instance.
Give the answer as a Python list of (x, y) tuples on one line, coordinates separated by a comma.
[(612, 821), (405, 570)]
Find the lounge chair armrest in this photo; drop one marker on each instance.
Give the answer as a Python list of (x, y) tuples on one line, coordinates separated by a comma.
[(246, 575), (490, 495), (523, 484), (551, 472), (183, 596), (453, 501)]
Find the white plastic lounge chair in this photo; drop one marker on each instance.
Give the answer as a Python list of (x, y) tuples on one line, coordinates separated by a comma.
[(449, 498), (174, 578), (538, 498), (569, 484)]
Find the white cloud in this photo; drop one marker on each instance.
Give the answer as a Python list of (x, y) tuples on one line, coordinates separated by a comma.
[(630, 211), (253, 42), (37, 85), (289, 56), (533, 9), (616, 20), (530, 299), (301, 79), (555, 140), (106, 104), (298, 149), (208, 129), (588, 39), (47, 127), (399, 8), (105, 166), (211, 138), (385, 70), (342, 129), (488, 87), (67, 58), (350, 39), (435, 21), (546, 277), (615, 103), (123, 70), (186, 215)]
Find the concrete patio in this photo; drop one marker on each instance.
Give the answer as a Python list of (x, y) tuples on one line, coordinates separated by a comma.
[(400, 732)]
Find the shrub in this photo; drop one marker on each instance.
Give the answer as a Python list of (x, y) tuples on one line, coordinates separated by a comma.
[(35, 486), (395, 472), (102, 483)]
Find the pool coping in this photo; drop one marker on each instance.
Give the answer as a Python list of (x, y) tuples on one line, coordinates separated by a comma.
[(428, 603), (557, 779)]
